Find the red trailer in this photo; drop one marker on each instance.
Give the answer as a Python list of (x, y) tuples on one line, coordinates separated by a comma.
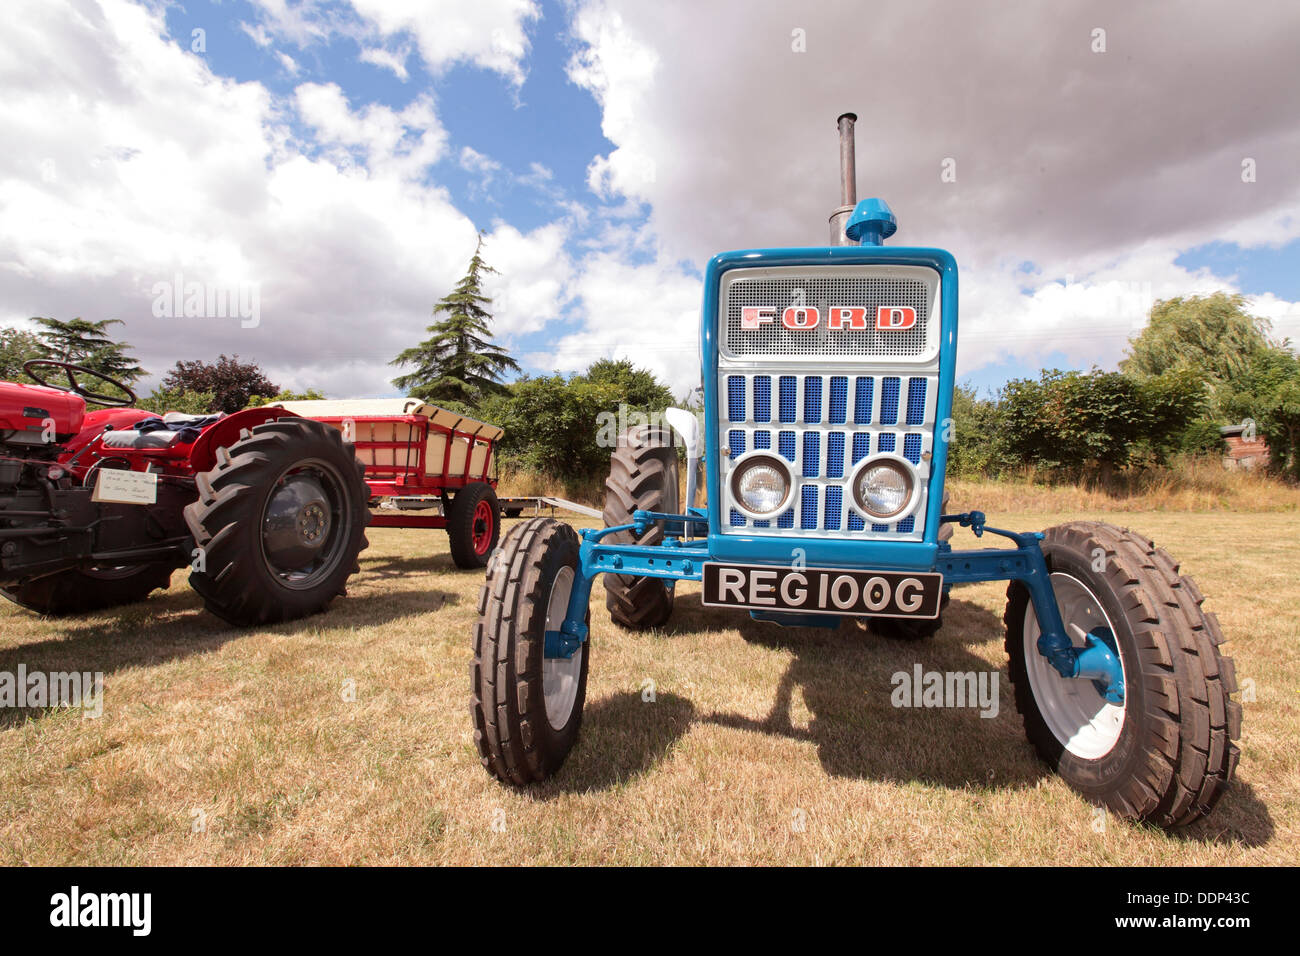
[(412, 449)]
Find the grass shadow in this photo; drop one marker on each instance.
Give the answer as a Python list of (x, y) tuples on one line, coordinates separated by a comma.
[(174, 625), (1240, 818), (622, 737), (396, 567), (846, 678)]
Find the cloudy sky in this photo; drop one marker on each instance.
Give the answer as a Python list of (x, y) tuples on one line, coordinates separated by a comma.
[(332, 161)]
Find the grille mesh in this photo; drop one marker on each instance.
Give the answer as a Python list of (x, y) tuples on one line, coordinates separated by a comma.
[(889, 401), (822, 453), (915, 401), (839, 400), (863, 389), (835, 455), (762, 398), (812, 399), (774, 294)]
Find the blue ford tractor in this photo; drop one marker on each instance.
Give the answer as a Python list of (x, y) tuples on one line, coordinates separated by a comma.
[(828, 384)]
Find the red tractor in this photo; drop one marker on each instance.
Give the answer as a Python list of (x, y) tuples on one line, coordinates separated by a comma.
[(97, 509)]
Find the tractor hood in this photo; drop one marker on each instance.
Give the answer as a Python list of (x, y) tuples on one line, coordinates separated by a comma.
[(27, 412)]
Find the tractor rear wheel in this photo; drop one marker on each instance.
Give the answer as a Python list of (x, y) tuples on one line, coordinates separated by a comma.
[(473, 525), (527, 707), (279, 523), (907, 629), (642, 476), (78, 590), (1166, 754)]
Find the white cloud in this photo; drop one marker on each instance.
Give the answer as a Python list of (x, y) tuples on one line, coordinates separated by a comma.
[(156, 167), (406, 141), (646, 313), (257, 33), (287, 63), (1103, 166), (388, 60), (489, 33), (532, 284), (492, 34)]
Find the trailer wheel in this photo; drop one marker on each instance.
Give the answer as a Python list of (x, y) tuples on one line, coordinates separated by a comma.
[(280, 521), (79, 590), (473, 525), (642, 476), (527, 708), (1166, 754)]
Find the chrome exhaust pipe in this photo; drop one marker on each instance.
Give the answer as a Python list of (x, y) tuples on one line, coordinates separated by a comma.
[(848, 181)]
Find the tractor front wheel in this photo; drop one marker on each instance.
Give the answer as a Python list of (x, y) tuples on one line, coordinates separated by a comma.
[(527, 707), (473, 525), (1166, 753), (279, 523)]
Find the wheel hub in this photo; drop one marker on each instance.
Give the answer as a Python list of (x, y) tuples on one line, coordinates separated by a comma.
[(298, 522), (560, 675), (1076, 711)]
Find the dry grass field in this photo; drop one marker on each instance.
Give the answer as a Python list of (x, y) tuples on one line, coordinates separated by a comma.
[(761, 746)]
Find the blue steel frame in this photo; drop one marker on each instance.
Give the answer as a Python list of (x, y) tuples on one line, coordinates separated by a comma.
[(677, 559)]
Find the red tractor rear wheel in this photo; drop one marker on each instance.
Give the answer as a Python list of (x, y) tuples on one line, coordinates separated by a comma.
[(280, 521)]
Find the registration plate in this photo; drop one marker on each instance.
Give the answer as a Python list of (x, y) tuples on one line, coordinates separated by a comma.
[(823, 590)]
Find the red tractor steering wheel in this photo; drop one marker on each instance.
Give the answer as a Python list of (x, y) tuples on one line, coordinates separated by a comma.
[(76, 388)]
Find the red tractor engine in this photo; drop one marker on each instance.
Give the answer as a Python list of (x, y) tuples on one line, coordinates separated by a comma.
[(98, 509)]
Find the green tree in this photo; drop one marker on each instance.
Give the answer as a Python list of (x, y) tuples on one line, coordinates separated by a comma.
[(975, 448), (637, 387), (1269, 395), (161, 401), (16, 347), (458, 362), (286, 395), (1068, 421), (89, 345), (565, 427), (1171, 403), (551, 424), (1280, 424), (1212, 336), (232, 382)]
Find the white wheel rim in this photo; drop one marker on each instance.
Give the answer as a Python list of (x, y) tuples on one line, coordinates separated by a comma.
[(560, 676), (1085, 723)]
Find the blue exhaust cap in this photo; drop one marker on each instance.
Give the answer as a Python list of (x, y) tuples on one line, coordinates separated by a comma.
[(871, 223)]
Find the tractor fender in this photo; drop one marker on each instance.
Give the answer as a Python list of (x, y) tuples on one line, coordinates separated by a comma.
[(224, 433)]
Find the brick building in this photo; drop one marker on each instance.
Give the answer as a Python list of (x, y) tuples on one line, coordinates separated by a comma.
[(1243, 453)]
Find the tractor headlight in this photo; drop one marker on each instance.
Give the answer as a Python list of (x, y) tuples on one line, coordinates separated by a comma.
[(761, 485), (883, 488)]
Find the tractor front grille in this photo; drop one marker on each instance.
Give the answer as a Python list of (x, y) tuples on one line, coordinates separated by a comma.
[(823, 425), (824, 287)]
